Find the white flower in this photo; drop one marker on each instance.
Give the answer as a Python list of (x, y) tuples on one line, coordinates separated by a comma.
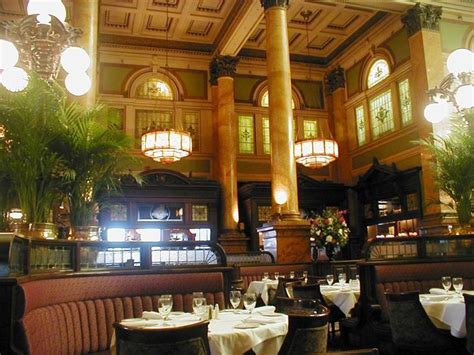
[(318, 232), (329, 239), (330, 220)]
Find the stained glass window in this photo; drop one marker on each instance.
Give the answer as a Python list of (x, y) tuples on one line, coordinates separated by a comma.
[(155, 88), (146, 119), (264, 101), (405, 101), (381, 117), (246, 135), (360, 125), (310, 129), (191, 125), (266, 135), (378, 72)]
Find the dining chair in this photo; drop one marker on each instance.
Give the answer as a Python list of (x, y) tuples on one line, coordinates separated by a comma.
[(469, 301), (281, 290), (313, 291), (307, 328), (189, 339), (316, 280), (412, 329)]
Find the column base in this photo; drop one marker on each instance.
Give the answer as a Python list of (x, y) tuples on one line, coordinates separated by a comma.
[(438, 224), (233, 241), (287, 240)]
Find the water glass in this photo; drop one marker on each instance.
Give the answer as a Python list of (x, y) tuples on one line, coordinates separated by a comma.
[(198, 301), (265, 276), (330, 279), (342, 278), (354, 284), (305, 276), (292, 274), (235, 298), (250, 300), (446, 281), (277, 275), (457, 284), (165, 304)]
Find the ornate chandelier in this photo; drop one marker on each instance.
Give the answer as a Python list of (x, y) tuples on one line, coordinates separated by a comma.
[(166, 146), (42, 42), (320, 151)]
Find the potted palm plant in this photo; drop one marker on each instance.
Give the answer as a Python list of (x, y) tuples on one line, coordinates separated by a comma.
[(453, 162), (95, 152), (27, 160)]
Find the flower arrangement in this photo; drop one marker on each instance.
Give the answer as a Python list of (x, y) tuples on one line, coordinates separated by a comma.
[(329, 228)]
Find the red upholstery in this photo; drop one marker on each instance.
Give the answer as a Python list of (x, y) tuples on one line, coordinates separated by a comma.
[(75, 315), (255, 272), (396, 278)]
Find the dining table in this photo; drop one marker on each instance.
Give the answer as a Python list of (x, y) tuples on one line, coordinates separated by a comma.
[(446, 312), (232, 332)]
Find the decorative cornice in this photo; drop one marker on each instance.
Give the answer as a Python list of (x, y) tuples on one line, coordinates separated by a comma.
[(222, 65), (335, 80), (422, 16), (274, 3)]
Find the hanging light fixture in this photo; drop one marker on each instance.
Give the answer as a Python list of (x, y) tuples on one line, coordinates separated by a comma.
[(166, 146), (322, 150), (42, 42)]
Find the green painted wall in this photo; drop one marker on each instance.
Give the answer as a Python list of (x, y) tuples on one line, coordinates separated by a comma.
[(321, 172), (194, 83), (112, 77), (194, 165), (312, 92), (250, 167), (452, 35), (398, 46), (244, 86), (385, 150), (352, 79), (409, 163)]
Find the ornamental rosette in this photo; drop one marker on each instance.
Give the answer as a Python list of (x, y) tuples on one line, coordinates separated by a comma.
[(330, 227)]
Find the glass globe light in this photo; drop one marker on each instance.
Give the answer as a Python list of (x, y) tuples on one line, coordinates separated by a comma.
[(14, 79), (78, 83), (47, 7), (8, 54), (460, 61), (75, 60), (464, 96), (437, 111)]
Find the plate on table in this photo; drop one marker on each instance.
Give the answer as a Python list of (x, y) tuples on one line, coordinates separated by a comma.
[(271, 314), (176, 313), (131, 320), (247, 325)]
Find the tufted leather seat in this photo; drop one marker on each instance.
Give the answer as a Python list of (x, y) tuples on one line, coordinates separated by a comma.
[(74, 315)]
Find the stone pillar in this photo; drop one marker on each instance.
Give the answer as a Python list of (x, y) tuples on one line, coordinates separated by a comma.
[(86, 17), (337, 97), (222, 71), (287, 237), (422, 24)]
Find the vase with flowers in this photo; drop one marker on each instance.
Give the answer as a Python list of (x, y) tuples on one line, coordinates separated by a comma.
[(329, 230)]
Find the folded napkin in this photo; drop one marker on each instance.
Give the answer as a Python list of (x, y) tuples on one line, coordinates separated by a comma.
[(151, 315), (468, 292), (262, 320), (185, 317), (137, 322), (265, 309), (438, 291)]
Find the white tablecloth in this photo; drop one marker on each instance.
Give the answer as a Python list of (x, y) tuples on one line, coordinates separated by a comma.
[(446, 312), (260, 288)]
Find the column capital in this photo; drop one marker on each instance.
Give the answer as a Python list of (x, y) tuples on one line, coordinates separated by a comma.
[(274, 3), (335, 80), (222, 65), (422, 16)]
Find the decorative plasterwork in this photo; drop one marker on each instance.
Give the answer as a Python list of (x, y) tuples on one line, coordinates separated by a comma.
[(274, 3), (335, 80), (422, 16), (222, 66)]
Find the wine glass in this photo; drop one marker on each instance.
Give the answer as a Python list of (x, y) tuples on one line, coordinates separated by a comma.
[(165, 304), (250, 299), (446, 281), (277, 275), (330, 279), (292, 274), (265, 276), (200, 308), (457, 284), (198, 298), (235, 297), (305, 276), (342, 278)]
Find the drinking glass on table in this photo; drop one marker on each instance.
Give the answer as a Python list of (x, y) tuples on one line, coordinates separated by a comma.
[(457, 284), (265, 276), (200, 309), (165, 304), (446, 281), (235, 298), (330, 279), (305, 276), (198, 300), (277, 275), (250, 299), (342, 278), (292, 274)]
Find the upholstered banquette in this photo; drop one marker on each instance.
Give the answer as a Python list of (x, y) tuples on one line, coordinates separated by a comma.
[(75, 314)]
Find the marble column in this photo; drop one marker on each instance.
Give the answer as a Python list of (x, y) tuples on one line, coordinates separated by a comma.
[(222, 71), (336, 101), (422, 24), (288, 236), (85, 15)]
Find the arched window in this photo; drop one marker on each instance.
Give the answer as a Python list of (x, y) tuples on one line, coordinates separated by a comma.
[(378, 72), (155, 88), (264, 100)]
